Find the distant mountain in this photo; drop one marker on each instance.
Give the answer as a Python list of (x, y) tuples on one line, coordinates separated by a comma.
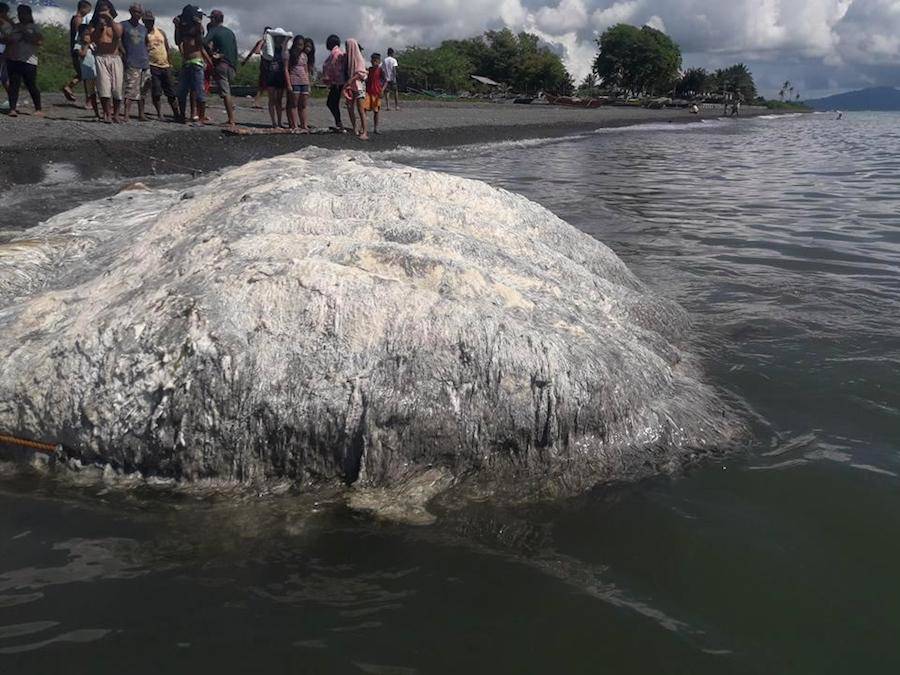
[(875, 98)]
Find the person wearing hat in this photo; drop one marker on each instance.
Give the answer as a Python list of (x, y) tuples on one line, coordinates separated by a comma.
[(190, 15), (158, 51), (222, 45), (189, 36)]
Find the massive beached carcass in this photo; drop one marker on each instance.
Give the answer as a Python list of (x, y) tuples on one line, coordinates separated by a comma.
[(333, 318)]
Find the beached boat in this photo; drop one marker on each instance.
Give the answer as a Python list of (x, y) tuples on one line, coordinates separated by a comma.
[(575, 102)]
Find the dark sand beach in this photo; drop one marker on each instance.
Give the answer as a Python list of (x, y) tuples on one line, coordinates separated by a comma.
[(70, 135)]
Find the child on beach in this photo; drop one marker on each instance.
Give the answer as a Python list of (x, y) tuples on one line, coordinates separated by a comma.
[(310, 48), (297, 69), (355, 88), (278, 81), (374, 87), (390, 68), (263, 67), (84, 52), (75, 24), (335, 76)]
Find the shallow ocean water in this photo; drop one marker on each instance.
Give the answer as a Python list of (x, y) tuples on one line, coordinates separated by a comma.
[(782, 238)]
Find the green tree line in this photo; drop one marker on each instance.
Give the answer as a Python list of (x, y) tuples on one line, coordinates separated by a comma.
[(647, 62), (734, 80), (518, 60)]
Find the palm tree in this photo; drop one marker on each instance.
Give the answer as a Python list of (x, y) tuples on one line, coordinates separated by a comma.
[(784, 89)]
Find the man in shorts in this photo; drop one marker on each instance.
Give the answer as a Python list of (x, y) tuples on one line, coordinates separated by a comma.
[(222, 45), (158, 50), (137, 60), (81, 11), (106, 35), (194, 60), (389, 68)]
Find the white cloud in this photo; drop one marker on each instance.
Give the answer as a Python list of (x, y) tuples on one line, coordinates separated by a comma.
[(831, 41), (568, 16), (617, 12), (656, 22)]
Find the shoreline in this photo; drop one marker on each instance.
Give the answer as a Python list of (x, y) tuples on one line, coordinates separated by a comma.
[(69, 140)]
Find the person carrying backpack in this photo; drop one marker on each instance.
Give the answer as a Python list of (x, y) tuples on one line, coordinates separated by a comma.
[(275, 46), (263, 67)]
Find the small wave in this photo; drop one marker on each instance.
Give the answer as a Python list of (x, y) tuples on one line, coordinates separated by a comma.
[(664, 126), (783, 116), (79, 636), (874, 469), (406, 151)]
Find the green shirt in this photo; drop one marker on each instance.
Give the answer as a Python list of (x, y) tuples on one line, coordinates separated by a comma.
[(222, 41)]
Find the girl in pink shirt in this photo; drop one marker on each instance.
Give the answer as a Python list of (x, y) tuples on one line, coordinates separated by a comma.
[(355, 89), (297, 68)]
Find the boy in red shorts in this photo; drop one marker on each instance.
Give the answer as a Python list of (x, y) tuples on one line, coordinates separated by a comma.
[(374, 89)]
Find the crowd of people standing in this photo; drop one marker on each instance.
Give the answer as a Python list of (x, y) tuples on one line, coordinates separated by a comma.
[(120, 62), (19, 44)]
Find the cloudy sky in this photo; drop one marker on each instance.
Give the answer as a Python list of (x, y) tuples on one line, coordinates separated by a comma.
[(823, 46)]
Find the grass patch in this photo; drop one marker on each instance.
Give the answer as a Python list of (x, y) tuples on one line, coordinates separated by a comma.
[(785, 106)]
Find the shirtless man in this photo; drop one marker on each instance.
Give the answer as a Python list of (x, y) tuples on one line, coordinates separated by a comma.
[(194, 59), (107, 37)]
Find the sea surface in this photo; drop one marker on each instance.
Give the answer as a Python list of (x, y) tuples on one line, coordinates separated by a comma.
[(782, 239)]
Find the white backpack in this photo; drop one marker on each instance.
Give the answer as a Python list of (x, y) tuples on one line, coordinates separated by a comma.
[(268, 50)]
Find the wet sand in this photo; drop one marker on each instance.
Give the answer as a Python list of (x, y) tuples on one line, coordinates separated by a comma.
[(68, 134)]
